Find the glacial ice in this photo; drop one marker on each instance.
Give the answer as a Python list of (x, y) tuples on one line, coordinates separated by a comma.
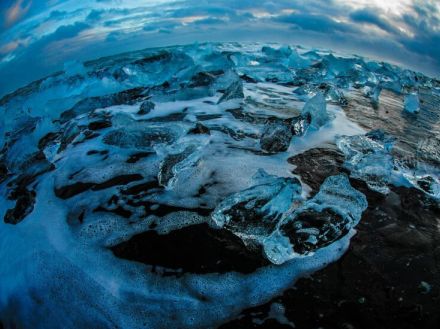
[(143, 137), (146, 107), (368, 158), (325, 218), (316, 107), (276, 136), (175, 163), (412, 103), (164, 139), (253, 213), (373, 93), (234, 91), (428, 183)]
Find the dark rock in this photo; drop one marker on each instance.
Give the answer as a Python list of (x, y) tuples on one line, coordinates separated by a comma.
[(248, 79), (199, 129), (31, 168), (234, 134), (47, 139), (137, 156), (100, 124), (3, 172), (71, 190), (178, 116), (24, 205), (241, 114), (194, 249), (93, 152), (157, 57), (205, 117), (203, 79), (315, 165), (406, 237)]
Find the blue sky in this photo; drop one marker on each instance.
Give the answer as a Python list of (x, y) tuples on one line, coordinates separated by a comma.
[(37, 37)]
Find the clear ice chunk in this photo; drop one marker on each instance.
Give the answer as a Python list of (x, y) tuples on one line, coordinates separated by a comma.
[(411, 103), (374, 94), (320, 221), (276, 136), (297, 61), (339, 66), (142, 137), (174, 163), (300, 124), (368, 158), (316, 107), (333, 94), (130, 96), (234, 91), (253, 213), (427, 183)]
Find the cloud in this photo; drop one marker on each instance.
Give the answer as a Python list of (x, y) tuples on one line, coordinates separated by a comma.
[(316, 23), (162, 26), (66, 31), (370, 16), (33, 61), (16, 11), (210, 21)]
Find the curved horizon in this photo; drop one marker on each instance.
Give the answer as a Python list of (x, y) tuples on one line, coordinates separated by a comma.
[(37, 39)]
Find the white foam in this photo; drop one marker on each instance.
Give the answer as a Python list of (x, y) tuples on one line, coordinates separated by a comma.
[(54, 279)]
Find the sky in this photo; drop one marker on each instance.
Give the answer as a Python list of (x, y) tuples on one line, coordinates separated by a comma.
[(37, 37)]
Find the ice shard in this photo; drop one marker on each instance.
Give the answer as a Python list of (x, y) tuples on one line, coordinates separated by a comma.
[(325, 218), (233, 91), (253, 213), (316, 107), (411, 103), (368, 158), (276, 136)]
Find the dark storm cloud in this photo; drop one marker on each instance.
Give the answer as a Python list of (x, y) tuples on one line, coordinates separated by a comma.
[(425, 22), (32, 61), (370, 16), (65, 32)]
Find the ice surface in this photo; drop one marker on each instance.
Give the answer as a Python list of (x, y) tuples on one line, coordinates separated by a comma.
[(159, 140)]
